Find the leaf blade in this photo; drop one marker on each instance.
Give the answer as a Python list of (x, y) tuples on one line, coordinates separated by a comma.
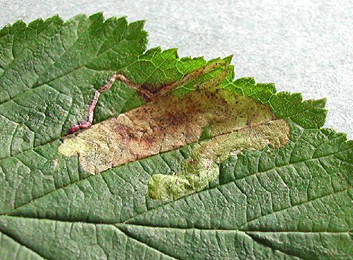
[(265, 204)]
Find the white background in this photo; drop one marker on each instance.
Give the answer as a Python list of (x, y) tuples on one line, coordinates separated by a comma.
[(302, 46)]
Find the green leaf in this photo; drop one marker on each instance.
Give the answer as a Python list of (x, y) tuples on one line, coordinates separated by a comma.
[(267, 199)]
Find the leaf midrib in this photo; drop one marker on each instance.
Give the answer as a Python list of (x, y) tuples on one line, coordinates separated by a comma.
[(221, 134), (128, 221)]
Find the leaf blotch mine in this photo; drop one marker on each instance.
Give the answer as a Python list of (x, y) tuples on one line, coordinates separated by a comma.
[(177, 116), (170, 122)]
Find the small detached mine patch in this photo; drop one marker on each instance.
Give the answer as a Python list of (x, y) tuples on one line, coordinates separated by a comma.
[(169, 121), (202, 166)]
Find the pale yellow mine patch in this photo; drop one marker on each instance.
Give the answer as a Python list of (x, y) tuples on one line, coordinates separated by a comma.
[(170, 122)]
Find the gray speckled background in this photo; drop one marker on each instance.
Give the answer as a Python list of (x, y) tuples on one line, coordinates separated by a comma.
[(302, 46)]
